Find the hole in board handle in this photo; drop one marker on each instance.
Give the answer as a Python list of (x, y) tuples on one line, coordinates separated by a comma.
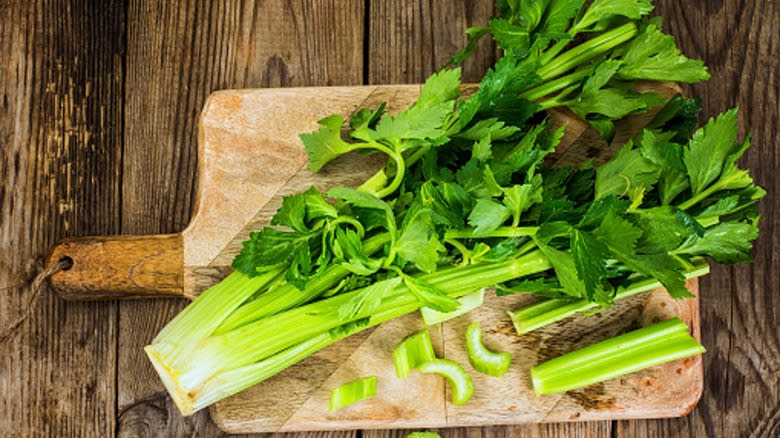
[(66, 262)]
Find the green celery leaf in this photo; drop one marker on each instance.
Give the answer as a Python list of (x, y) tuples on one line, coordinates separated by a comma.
[(614, 103), (727, 243), (618, 233), (300, 267), (680, 116), (527, 151), (429, 296), (722, 207), (665, 228), (368, 299), (555, 180), (693, 226), (441, 87), (449, 202), (561, 261), (551, 210), (653, 55), (415, 123), (551, 230), (326, 255), (601, 75), (371, 211), (292, 213), (710, 148), (532, 12), (366, 118), (324, 145), (496, 129), (471, 177), (419, 242), (662, 267), (565, 270), (622, 237), (354, 258), (497, 94), (510, 37), (601, 10), (268, 248), (317, 206), (605, 127), (457, 199), (558, 15), (491, 181), (425, 120), (520, 197), (482, 150), (487, 215), (589, 256), (668, 157), (474, 34), (502, 249), (627, 170), (582, 184), (600, 208)]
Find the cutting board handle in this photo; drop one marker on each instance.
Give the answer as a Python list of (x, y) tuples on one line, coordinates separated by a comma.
[(119, 267)]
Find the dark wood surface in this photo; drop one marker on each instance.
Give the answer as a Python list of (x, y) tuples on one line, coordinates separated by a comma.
[(98, 112)]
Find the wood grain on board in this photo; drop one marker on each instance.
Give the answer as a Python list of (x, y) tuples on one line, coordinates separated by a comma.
[(98, 106)]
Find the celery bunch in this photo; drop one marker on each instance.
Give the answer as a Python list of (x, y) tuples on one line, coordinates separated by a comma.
[(466, 202)]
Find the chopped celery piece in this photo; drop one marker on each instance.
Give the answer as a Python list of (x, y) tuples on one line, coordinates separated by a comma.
[(413, 351), (481, 358), (423, 435), (633, 351), (460, 381), (352, 392), (467, 304)]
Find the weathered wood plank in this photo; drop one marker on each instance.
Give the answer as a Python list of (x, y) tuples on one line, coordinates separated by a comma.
[(740, 42), (60, 159), (177, 54), (409, 40)]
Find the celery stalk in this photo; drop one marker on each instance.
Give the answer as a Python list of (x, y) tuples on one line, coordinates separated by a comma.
[(549, 311), (288, 296), (227, 383), (588, 50), (207, 311), (659, 343), (282, 339)]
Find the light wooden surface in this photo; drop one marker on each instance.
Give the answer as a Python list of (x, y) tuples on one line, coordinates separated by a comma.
[(98, 109)]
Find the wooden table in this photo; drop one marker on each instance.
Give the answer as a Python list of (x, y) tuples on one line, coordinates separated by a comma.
[(99, 103)]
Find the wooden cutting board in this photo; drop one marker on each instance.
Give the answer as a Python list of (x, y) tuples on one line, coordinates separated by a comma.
[(249, 156)]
